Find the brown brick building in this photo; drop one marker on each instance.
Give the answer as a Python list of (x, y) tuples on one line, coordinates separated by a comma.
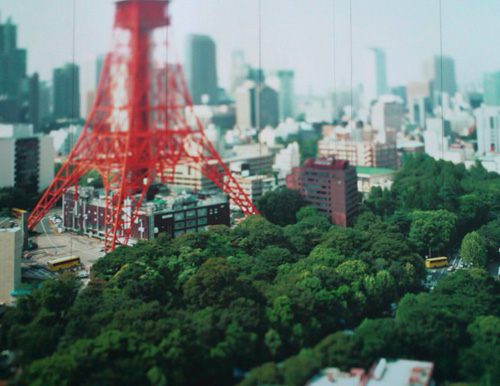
[(329, 185)]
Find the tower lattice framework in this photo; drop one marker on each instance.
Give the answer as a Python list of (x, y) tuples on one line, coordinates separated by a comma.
[(140, 127)]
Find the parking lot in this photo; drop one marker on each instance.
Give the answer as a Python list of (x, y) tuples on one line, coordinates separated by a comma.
[(52, 244)]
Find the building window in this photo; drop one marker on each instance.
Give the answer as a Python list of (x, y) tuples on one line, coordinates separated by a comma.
[(202, 212), (190, 223), (190, 214), (202, 221), (179, 225), (179, 216)]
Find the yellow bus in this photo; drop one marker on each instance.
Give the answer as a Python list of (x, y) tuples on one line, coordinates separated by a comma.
[(436, 262), (63, 263), (17, 213)]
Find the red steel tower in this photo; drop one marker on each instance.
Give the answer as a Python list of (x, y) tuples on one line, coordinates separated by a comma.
[(141, 126)]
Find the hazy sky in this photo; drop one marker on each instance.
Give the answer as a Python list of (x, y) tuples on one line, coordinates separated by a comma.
[(296, 34)]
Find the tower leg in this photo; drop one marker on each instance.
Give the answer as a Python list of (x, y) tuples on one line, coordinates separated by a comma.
[(66, 176), (123, 199)]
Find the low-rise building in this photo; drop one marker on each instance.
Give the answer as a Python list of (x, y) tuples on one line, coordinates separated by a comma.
[(369, 177), (383, 373), (172, 214), (258, 157), (254, 186)]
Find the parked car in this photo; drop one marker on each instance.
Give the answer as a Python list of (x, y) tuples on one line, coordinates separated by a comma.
[(82, 274), (31, 245)]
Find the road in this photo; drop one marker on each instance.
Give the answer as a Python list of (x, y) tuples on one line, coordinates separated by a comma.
[(435, 274), (52, 244)]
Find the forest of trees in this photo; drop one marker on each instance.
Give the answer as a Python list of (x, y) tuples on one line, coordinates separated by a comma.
[(281, 295)]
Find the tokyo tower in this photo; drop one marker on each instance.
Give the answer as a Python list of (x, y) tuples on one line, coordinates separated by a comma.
[(140, 127)]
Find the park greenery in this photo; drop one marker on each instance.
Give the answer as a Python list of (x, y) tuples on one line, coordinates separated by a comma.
[(281, 295)]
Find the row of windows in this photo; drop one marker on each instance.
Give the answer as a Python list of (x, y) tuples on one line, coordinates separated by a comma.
[(190, 214), (190, 223), (199, 229)]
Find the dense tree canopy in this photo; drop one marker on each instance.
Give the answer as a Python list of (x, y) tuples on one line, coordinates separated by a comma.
[(281, 295), (473, 250), (280, 206)]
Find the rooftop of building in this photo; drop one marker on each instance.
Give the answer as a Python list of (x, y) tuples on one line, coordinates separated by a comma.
[(15, 130), (385, 372), (329, 162), (162, 202), (8, 224), (373, 170), (401, 372), (332, 376), (408, 143), (36, 271)]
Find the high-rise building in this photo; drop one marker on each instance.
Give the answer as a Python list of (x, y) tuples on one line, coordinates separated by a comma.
[(98, 68), (436, 137), (387, 113), (257, 105), (66, 83), (491, 85), (488, 129), (201, 69), (33, 99), (27, 159), (239, 70), (360, 153), (375, 75), (330, 185), (12, 73), (440, 73), (44, 101), (400, 91), (11, 240), (286, 94)]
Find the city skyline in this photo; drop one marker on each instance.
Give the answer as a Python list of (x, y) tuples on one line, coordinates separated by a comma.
[(408, 33)]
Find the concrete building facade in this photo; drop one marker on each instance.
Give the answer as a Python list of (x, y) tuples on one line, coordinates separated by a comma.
[(361, 153), (11, 240), (488, 129), (171, 214), (329, 185), (201, 69), (27, 159)]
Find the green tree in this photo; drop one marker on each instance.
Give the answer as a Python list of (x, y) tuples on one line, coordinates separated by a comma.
[(432, 229), (490, 233), (473, 250), (484, 333), (280, 206)]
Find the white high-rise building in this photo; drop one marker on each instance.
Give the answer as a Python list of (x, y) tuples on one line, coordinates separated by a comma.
[(239, 70), (488, 129), (256, 105), (27, 159), (287, 159), (387, 113), (436, 138), (374, 75)]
